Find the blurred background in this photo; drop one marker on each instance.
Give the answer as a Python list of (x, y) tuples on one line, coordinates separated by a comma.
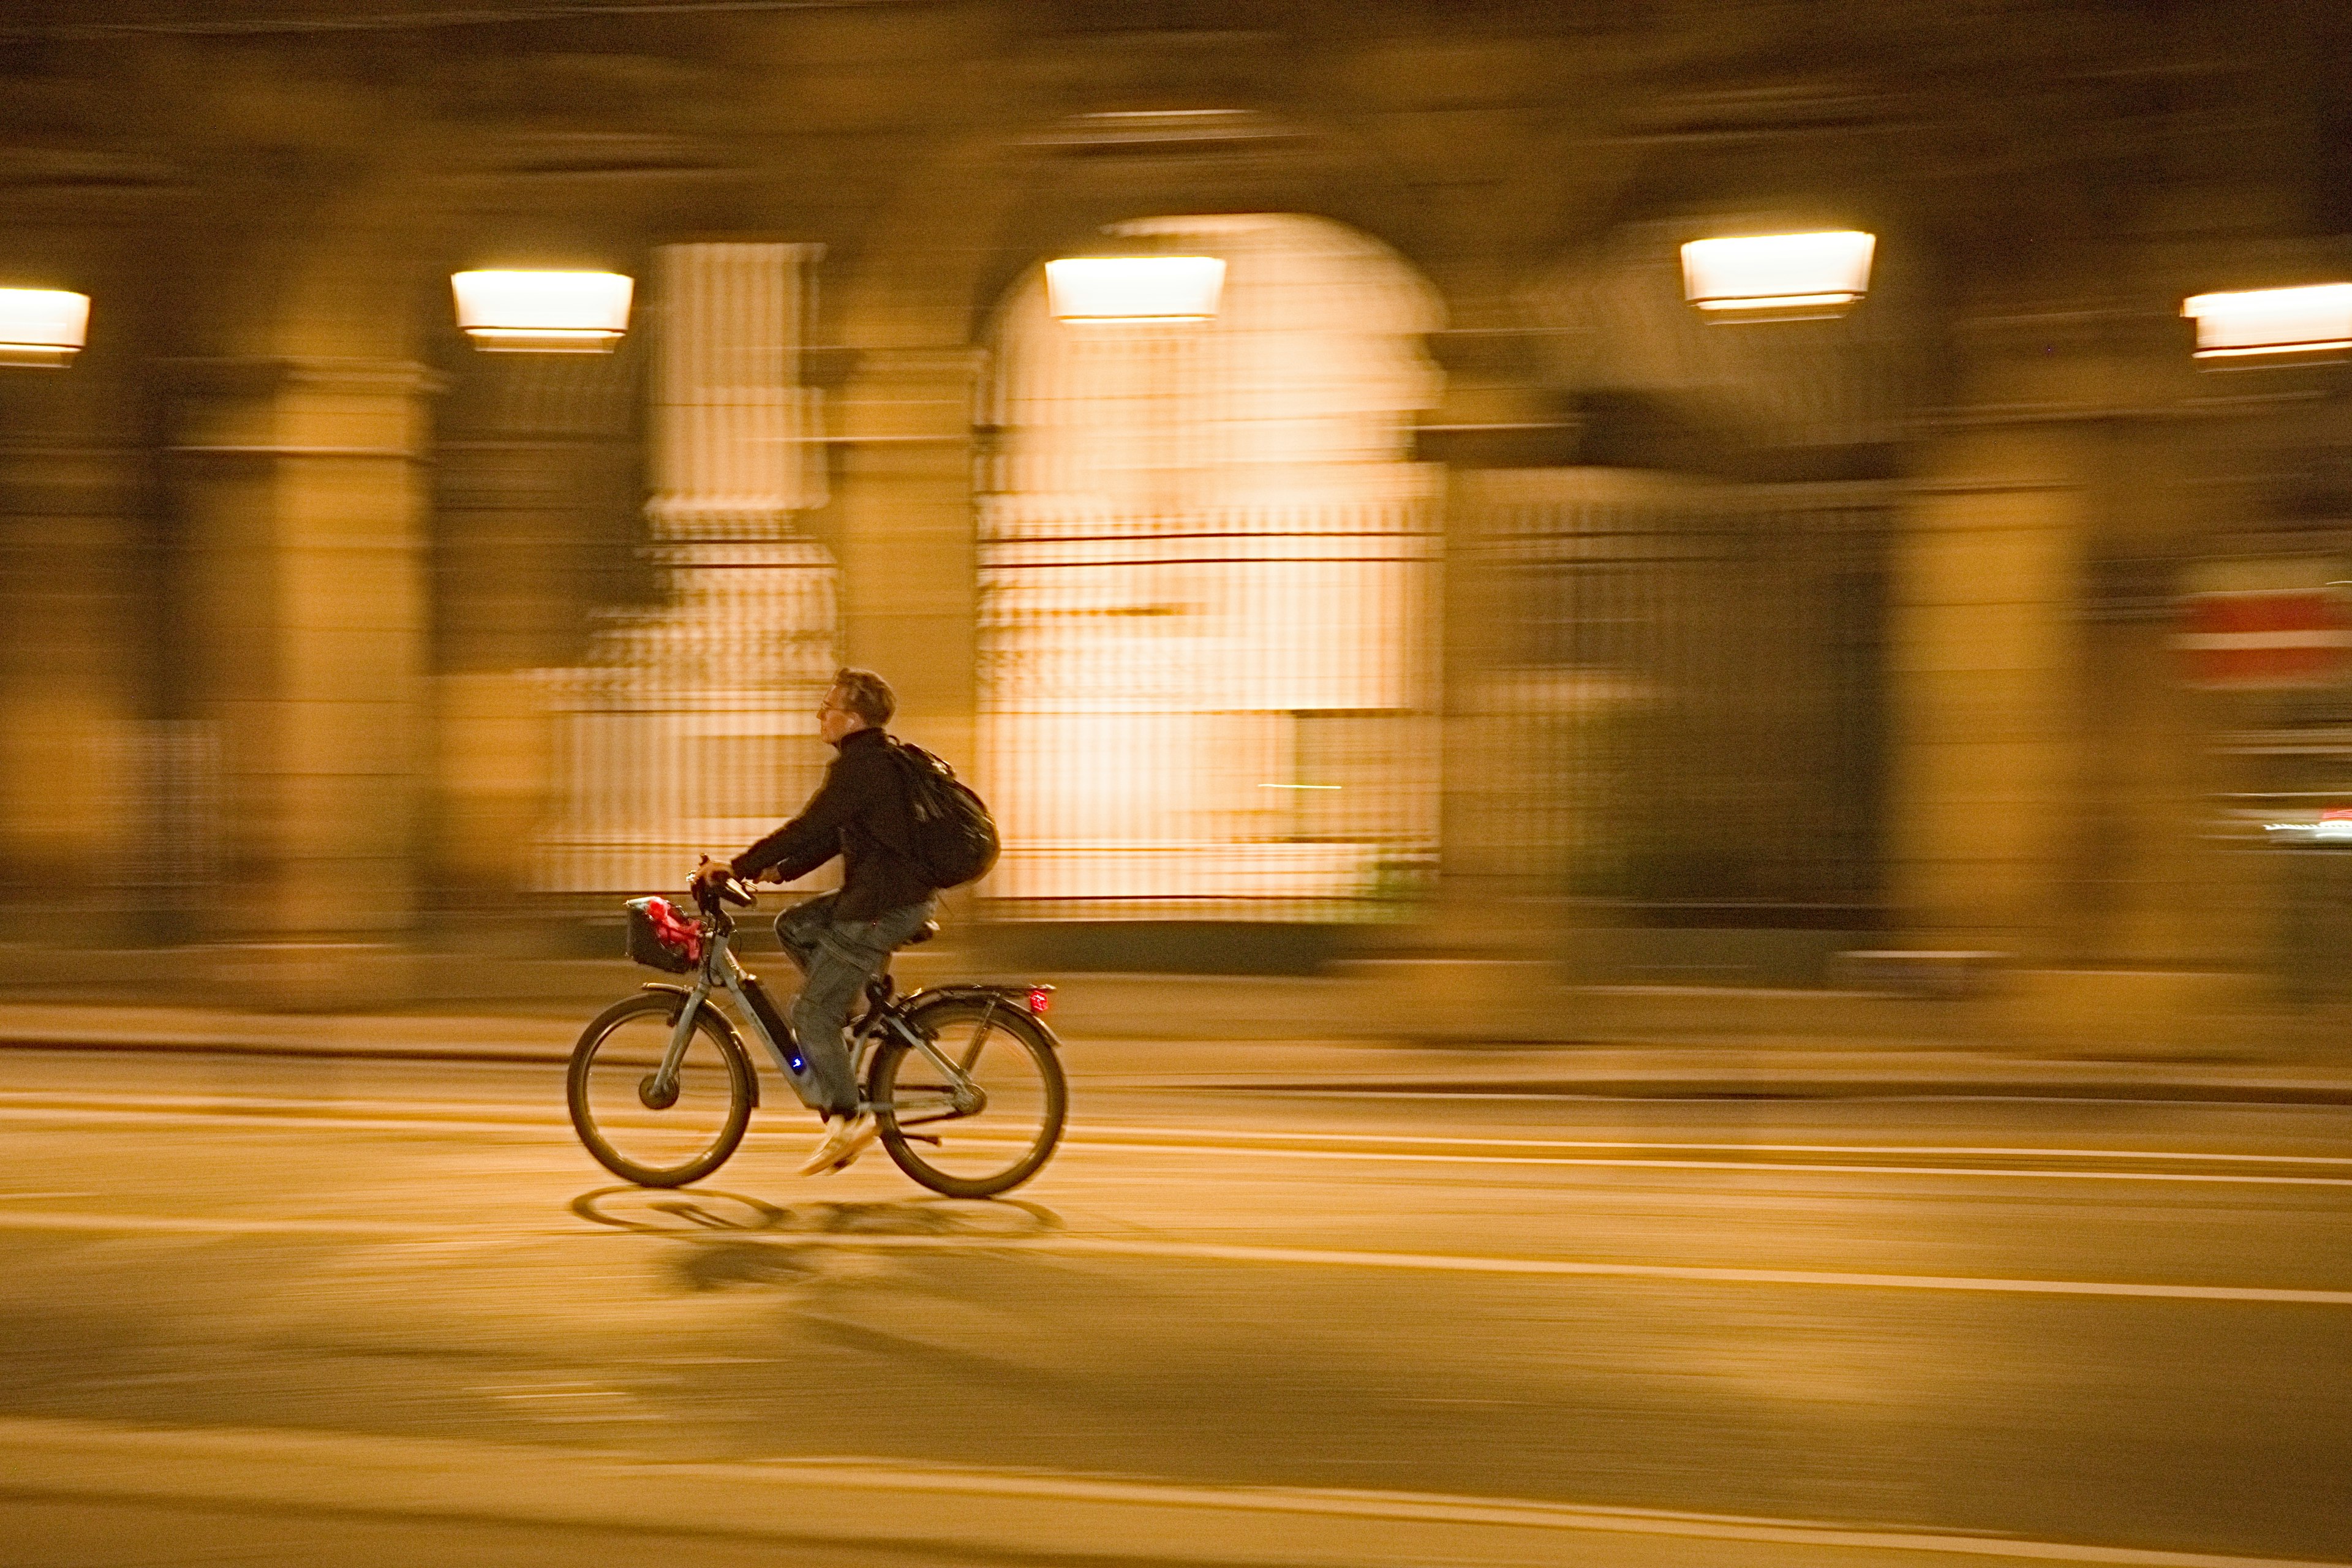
[(1668, 683), (1463, 598)]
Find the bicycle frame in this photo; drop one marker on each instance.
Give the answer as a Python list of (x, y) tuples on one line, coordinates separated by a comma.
[(722, 973)]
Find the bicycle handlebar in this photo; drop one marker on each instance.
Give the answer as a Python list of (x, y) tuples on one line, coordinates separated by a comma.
[(731, 889)]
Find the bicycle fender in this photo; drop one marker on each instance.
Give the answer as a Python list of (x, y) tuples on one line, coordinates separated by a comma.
[(1014, 999), (725, 1027)]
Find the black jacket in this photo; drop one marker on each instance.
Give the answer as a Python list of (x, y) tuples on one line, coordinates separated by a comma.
[(859, 813)]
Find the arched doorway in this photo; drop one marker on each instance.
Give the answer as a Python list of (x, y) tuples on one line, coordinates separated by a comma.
[(1208, 578)]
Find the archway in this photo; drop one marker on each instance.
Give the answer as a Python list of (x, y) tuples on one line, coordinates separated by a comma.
[(1208, 573)]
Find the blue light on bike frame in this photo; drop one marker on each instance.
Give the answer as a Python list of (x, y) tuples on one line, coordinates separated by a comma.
[(1041, 1000)]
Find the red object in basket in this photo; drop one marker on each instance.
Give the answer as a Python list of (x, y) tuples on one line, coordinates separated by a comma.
[(674, 930)]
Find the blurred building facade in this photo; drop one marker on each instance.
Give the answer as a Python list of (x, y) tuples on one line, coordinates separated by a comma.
[(1458, 591)]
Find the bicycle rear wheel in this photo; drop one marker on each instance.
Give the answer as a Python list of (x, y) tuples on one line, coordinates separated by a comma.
[(638, 1129), (993, 1147)]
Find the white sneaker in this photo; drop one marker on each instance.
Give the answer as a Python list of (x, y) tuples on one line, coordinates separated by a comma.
[(862, 1134), (845, 1138)]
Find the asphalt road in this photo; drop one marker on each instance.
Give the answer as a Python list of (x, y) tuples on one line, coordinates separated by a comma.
[(272, 1310)]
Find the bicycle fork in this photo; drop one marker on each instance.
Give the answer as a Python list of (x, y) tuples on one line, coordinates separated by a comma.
[(659, 1088)]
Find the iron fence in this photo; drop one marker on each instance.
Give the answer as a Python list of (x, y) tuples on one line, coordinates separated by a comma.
[(1684, 688)]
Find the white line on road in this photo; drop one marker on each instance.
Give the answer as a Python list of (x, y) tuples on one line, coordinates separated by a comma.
[(1003, 1513), (1267, 1146), (472, 1120), (1263, 1145), (1819, 1167), (1456, 1264), (1205, 1252), (1860, 1093), (1995, 1151), (231, 1224)]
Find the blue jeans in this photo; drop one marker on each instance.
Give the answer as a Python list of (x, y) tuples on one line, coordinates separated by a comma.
[(838, 957)]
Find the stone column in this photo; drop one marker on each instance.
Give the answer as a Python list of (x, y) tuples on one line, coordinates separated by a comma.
[(910, 585), (1484, 964), (1984, 689), (1497, 420), (2028, 815), (302, 501), (77, 563)]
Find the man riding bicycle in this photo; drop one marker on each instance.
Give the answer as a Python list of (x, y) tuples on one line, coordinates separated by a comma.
[(840, 939)]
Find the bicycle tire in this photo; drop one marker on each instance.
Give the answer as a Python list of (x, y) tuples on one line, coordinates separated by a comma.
[(1027, 1093), (582, 1090)]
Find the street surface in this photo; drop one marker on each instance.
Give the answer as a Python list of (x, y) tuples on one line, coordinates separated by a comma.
[(294, 1311)]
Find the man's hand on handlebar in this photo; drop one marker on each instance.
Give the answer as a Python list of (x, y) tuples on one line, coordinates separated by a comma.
[(717, 880)]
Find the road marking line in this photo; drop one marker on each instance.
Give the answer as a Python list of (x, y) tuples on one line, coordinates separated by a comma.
[(550, 1126), (1247, 1134), (208, 1225), (1510, 1513), (1824, 1167), (999, 1509), (473, 1122), (444, 1112), (1209, 1252), (1911, 1092), (1459, 1264)]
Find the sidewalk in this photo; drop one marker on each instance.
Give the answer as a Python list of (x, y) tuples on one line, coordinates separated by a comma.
[(1762, 1066)]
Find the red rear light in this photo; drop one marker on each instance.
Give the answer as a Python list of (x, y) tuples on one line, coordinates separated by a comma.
[(1041, 1000)]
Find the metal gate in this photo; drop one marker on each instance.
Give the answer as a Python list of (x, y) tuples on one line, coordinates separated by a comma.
[(1685, 692)]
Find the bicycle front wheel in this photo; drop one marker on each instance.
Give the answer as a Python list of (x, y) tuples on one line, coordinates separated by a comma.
[(646, 1131), (993, 1146)]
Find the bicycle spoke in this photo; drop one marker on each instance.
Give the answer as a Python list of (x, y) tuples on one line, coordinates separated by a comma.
[(1005, 1098), (640, 1127)]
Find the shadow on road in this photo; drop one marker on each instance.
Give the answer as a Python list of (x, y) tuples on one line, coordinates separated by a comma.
[(706, 1210), (735, 1239)]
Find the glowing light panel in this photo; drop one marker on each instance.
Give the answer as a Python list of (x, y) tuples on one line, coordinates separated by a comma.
[(1134, 287), (2272, 321), (543, 312), (42, 326), (1779, 274)]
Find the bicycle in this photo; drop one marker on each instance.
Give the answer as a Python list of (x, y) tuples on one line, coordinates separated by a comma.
[(964, 1082)]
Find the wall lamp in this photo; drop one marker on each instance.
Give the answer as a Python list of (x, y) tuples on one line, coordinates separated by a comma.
[(2272, 321), (543, 312), (1777, 276), (42, 327), (1134, 287)]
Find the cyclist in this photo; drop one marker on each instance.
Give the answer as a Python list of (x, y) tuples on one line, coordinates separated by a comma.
[(840, 939)]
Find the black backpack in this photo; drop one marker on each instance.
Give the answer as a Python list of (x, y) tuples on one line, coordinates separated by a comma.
[(954, 836)]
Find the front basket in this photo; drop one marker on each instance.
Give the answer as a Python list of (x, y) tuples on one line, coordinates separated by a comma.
[(663, 936)]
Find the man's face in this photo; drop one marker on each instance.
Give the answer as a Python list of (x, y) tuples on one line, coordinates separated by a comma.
[(834, 720)]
